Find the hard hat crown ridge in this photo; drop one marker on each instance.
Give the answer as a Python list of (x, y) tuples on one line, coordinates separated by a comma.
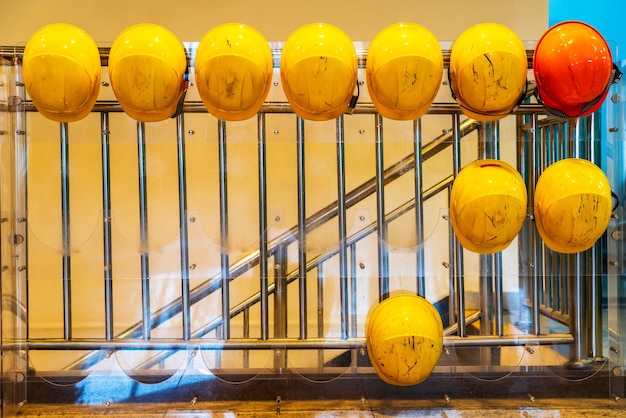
[(62, 72), (404, 337), (148, 72), (318, 70), (573, 205), (233, 67), (488, 205), (487, 72), (404, 69)]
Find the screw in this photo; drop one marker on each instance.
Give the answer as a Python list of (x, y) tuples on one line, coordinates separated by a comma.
[(615, 397), (104, 84), (361, 266), (446, 264), (275, 83), (614, 263), (614, 349), (194, 400), (276, 131), (362, 399), (530, 350), (362, 131), (613, 129), (446, 398), (191, 132), (531, 397)]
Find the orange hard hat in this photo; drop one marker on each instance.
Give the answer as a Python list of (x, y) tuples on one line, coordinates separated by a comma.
[(573, 69)]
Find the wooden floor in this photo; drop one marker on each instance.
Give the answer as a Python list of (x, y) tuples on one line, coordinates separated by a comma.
[(484, 408)]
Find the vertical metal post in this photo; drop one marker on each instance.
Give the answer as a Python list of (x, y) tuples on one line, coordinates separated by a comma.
[(320, 311), (65, 232), (301, 228), (498, 306), (224, 257), (353, 292), (280, 305), (263, 254), (419, 208), (106, 227), (458, 250), (383, 256), (341, 220), (535, 257), (579, 326), (525, 236), (184, 230), (143, 231), (485, 284)]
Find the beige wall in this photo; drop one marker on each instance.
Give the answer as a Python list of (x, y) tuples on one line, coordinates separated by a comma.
[(276, 19)]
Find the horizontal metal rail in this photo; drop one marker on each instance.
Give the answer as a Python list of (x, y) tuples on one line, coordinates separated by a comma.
[(280, 107), (293, 344)]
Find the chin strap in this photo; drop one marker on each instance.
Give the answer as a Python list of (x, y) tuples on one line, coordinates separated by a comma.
[(354, 99), (615, 76)]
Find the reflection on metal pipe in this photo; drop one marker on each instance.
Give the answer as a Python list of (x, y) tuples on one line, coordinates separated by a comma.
[(106, 227), (353, 291), (65, 232), (383, 267), (286, 344), (419, 208), (458, 250), (341, 220), (263, 253), (301, 227), (535, 244), (224, 258), (184, 231), (143, 232)]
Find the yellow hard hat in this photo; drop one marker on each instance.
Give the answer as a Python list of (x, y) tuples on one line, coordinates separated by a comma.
[(61, 70), (487, 205), (404, 337), (404, 68), (573, 205), (318, 69), (488, 68), (147, 69), (233, 71)]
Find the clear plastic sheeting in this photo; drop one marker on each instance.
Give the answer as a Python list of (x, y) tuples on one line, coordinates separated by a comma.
[(194, 259)]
